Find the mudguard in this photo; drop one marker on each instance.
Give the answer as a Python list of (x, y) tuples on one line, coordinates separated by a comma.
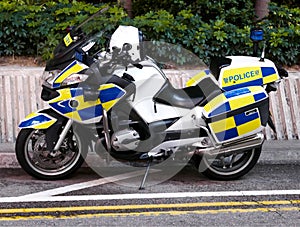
[(37, 120)]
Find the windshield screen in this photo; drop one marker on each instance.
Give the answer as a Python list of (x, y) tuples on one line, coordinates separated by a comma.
[(87, 33)]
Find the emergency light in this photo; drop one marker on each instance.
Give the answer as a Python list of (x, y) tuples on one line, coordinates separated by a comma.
[(256, 34)]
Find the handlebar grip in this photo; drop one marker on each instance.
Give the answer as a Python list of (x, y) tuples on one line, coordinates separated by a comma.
[(137, 65)]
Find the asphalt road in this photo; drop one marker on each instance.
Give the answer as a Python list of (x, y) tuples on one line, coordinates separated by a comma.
[(268, 195)]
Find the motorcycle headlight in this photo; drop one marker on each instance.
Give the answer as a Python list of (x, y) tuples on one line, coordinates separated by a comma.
[(48, 77), (75, 79)]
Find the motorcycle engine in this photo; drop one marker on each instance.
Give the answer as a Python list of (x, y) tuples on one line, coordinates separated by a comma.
[(126, 139)]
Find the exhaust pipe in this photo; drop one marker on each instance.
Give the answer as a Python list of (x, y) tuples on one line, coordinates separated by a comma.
[(233, 147)]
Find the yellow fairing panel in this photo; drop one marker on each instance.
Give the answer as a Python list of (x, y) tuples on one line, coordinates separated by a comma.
[(71, 103), (74, 67)]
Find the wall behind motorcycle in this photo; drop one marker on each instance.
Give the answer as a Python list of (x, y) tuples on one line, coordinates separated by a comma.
[(20, 95)]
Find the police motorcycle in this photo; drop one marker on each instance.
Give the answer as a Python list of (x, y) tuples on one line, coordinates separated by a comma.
[(121, 103)]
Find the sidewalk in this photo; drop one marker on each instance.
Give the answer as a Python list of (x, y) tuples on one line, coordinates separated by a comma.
[(274, 152)]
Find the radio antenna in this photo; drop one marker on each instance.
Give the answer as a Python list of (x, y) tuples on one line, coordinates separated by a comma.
[(262, 58)]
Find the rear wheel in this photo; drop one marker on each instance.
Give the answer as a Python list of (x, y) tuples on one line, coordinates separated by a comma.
[(37, 161), (229, 167)]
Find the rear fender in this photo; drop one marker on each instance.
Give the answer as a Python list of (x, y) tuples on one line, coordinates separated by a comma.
[(38, 120)]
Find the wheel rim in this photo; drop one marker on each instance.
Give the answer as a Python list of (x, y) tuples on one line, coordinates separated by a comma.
[(47, 163), (229, 165)]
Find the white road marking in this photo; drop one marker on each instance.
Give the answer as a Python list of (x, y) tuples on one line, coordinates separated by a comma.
[(88, 184), (48, 198)]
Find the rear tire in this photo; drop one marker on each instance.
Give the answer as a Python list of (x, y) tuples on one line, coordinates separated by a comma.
[(229, 167), (40, 163)]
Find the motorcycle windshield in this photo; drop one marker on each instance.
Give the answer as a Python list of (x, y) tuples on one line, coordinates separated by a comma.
[(86, 33)]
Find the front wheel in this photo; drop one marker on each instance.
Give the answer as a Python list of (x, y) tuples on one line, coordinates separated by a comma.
[(229, 167), (37, 161)]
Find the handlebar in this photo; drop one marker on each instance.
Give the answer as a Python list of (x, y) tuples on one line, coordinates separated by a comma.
[(122, 56)]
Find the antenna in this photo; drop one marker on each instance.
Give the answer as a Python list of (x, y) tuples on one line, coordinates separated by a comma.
[(262, 58)]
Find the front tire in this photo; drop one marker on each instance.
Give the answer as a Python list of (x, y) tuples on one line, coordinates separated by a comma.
[(229, 167), (34, 158)]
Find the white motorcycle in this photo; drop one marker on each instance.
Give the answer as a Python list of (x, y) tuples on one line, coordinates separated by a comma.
[(121, 103)]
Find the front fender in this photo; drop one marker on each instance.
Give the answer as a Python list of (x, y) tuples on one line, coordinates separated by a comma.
[(37, 120)]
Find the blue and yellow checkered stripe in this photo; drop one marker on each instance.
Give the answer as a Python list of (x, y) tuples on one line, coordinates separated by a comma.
[(72, 68), (233, 100), (236, 126), (248, 76), (109, 95)]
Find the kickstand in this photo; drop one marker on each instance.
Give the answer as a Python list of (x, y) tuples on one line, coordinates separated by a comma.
[(146, 174)]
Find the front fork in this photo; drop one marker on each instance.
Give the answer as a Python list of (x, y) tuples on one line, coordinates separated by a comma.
[(56, 127), (62, 135)]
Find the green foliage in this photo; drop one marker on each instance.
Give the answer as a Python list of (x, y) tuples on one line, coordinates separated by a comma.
[(142, 7), (204, 37), (282, 33), (36, 27), (205, 27), (215, 28)]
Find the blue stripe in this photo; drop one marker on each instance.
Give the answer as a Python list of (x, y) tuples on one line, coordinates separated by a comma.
[(110, 94), (34, 121), (56, 85), (247, 84), (228, 134), (62, 107), (236, 92), (91, 112), (242, 118), (225, 107), (76, 92), (266, 71), (260, 96), (207, 71)]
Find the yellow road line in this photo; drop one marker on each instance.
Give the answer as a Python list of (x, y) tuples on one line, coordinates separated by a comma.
[(152, 213), (148, 206)]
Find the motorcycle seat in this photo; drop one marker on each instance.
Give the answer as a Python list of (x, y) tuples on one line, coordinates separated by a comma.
[(188, 97)]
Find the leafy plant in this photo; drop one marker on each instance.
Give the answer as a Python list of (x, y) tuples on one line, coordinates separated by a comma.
[(205, 27), (35, 27), (282, 34)]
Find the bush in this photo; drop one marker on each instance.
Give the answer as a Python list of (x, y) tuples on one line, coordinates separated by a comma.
[(215, 28), (207, 28), (282, 34), (204, 35), (35, 29)]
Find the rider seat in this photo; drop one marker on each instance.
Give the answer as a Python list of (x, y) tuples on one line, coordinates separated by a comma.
[(188, 97)]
